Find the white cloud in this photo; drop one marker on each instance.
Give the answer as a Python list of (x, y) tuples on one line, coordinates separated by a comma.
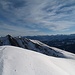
[(41, 17), (41, 14), (17, 29)]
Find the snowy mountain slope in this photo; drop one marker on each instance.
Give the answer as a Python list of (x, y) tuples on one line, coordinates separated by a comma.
[(56, 51), (18, 61), (65, 42), (33, 45)]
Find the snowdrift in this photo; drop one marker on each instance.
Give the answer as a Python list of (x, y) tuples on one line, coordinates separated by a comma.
[(18, 61)]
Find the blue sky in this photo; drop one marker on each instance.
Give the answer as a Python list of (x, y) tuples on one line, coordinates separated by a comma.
[(37, 17)]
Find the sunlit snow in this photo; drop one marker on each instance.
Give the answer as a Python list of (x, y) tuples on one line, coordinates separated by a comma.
[(18, 61)]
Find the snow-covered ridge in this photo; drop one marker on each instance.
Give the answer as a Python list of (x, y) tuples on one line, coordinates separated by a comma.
[(18, 61), (35, 46)]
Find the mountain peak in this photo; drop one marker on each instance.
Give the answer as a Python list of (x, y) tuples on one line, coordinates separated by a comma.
[(8, 35), (33, 45)]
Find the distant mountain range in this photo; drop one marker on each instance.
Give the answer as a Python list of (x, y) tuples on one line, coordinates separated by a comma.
[(51, 37)]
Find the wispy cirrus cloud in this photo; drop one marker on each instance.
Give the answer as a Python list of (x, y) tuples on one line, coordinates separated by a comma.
[(38, 15)]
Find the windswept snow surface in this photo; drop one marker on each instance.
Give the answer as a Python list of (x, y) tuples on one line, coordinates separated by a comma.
[(18, 61)]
